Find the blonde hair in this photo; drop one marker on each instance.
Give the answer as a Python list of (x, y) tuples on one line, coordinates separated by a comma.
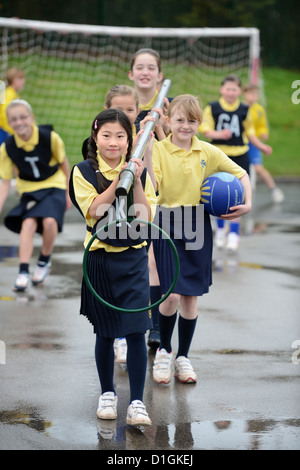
[(189, 104), (250, 87), (120, 90), (12, 73), (18, 102)]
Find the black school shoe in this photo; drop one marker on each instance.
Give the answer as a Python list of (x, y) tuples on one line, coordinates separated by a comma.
[(153, 339)]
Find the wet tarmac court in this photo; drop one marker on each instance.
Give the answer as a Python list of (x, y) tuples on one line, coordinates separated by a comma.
[(245, 352)]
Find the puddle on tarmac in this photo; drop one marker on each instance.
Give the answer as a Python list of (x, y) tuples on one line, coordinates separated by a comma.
[(42, 340), (64, 280), (31, 419), (69, 274), (237, 434), (231, 266)]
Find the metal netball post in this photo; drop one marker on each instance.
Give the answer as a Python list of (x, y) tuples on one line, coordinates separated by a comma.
[(127, 175), (125, 184)]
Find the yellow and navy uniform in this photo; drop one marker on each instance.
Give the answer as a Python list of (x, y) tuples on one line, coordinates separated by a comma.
[(85, 192), (180, 173), (144, 110), (220, 115), (57, 155), (119, 274), (41, 182)]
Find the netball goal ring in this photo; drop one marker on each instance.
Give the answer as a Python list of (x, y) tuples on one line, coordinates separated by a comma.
[(120, 309)]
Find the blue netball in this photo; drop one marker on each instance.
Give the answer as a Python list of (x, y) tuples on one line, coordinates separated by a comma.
[(220, 191)]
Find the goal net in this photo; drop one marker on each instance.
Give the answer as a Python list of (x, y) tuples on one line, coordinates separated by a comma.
[(69, 68)]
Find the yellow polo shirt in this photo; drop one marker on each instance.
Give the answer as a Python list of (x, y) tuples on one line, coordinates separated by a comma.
[(10, 94), (58, 180), (180, 173), (85, 193), (259, 118), (150, 104)]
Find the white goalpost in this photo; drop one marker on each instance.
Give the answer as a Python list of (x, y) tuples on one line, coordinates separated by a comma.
[(70, 67)]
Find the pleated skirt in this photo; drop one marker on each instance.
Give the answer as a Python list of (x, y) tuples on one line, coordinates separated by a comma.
[(195, 265), (122, 280), (39, 205)]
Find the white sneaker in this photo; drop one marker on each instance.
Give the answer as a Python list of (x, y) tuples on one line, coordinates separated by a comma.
[(220, 237), (107, 407), (162, 372), (120, 348), (107, 429), (184, 370), (137, 414), (233, 241), (277, 195), (22, 282), (40, 273)]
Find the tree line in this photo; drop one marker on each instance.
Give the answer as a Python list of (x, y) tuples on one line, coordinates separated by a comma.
[(277, 20)]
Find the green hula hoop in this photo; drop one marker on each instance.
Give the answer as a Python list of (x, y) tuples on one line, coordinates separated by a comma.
[(120, 309)]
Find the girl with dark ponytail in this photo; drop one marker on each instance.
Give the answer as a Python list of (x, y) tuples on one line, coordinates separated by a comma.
[(91, 144), (117, 270)]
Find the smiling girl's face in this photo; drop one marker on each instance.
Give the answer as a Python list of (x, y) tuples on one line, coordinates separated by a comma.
[(183, 128), (112, 143), (145, 72), (20, 119), (127, 104)]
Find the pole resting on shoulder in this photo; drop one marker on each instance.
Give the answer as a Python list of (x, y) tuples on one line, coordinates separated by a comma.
[(127, 176)]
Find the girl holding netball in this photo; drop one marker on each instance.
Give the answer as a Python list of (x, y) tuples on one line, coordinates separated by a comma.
[(228, 125), (117, 269), (181, 162)]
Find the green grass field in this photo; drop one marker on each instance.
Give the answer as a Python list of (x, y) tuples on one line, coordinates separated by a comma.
[(79, 103), (284, 121)]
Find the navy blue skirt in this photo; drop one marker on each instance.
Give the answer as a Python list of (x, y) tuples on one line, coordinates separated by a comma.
[(195, 274), (243, 161), (121, 279), (38, 205)]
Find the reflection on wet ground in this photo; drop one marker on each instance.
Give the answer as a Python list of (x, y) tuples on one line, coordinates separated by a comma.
[(29, 418), (66, 276), (8, 252), (41, 340), (64, 280), (249, 368), (205, 435)]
